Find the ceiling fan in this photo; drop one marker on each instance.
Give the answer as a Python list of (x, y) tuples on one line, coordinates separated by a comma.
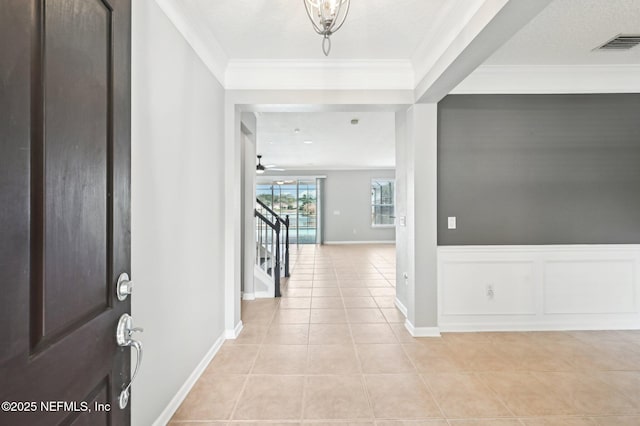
[(260, 168)]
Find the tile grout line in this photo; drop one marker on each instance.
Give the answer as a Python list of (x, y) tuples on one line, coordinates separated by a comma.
[(306, 366), (484, 383), (363, 380), (476, 374), (421, 378), (249, 373)]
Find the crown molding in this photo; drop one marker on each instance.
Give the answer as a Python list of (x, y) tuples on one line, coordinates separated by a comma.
[(455, 20), (198, 36), (319, 75), (546, 79), (493, 23)]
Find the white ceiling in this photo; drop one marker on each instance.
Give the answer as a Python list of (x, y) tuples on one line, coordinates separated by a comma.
[(337, 144), (567, 31), (280, 29)]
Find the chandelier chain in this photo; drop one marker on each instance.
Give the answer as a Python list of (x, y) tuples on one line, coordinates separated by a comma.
[(327, 17)]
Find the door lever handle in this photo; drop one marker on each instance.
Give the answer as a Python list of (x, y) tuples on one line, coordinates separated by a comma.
[(123, 336)]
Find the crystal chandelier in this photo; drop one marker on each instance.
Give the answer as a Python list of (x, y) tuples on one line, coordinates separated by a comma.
[(327, 17)]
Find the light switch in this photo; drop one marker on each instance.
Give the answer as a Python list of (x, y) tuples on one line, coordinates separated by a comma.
[(336, 212), (451, 222), (403, 221)]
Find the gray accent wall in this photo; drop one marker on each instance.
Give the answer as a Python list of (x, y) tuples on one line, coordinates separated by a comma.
[(539, 169)]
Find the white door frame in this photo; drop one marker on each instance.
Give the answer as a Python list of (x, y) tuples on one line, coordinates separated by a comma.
[(238, 102)]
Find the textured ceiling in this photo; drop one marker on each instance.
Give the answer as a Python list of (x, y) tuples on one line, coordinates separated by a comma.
[(280, 29), (567, 31), (337, 144)]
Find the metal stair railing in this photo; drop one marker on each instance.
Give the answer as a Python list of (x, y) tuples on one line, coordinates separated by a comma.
[(272, 241)]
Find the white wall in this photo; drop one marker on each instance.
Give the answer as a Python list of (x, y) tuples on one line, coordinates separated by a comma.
[(177, 209), (349, 192)]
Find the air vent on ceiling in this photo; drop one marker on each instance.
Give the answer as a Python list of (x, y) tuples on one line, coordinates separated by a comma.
[(621, 42)]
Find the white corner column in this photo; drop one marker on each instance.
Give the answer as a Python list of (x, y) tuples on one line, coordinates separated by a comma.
[(417, 236), (249, 142), (232, 219)]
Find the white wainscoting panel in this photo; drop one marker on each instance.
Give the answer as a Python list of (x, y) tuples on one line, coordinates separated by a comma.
[(559, 287), (467, 284), (589, 287)]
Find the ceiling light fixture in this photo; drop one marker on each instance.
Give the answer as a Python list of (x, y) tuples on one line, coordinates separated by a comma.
[(260, 168), (327, 17)]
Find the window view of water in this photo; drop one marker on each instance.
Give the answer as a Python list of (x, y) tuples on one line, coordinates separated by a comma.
[(298, 200)]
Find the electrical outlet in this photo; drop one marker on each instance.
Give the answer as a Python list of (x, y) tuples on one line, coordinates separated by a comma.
[(490, 292), (452, 222)]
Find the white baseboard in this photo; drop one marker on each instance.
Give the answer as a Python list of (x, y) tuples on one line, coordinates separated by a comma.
[(421, 331), (232, 334), (359, 242), (184, 390), (401, 307), (548, 287), (263, 295), (248, 296), (524, 327)]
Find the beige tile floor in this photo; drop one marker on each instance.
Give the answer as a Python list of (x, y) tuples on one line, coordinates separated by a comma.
[(333, 350)]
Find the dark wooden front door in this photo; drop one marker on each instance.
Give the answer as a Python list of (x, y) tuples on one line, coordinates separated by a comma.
[(64, 209)]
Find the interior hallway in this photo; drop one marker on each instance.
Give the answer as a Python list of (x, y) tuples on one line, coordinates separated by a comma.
[(334, 349)]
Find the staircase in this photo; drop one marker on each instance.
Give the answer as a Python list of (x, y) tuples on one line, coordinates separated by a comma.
[(272, 247)]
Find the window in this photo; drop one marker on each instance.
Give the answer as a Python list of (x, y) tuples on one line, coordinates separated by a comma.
[(383, 196), (298, 200)]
